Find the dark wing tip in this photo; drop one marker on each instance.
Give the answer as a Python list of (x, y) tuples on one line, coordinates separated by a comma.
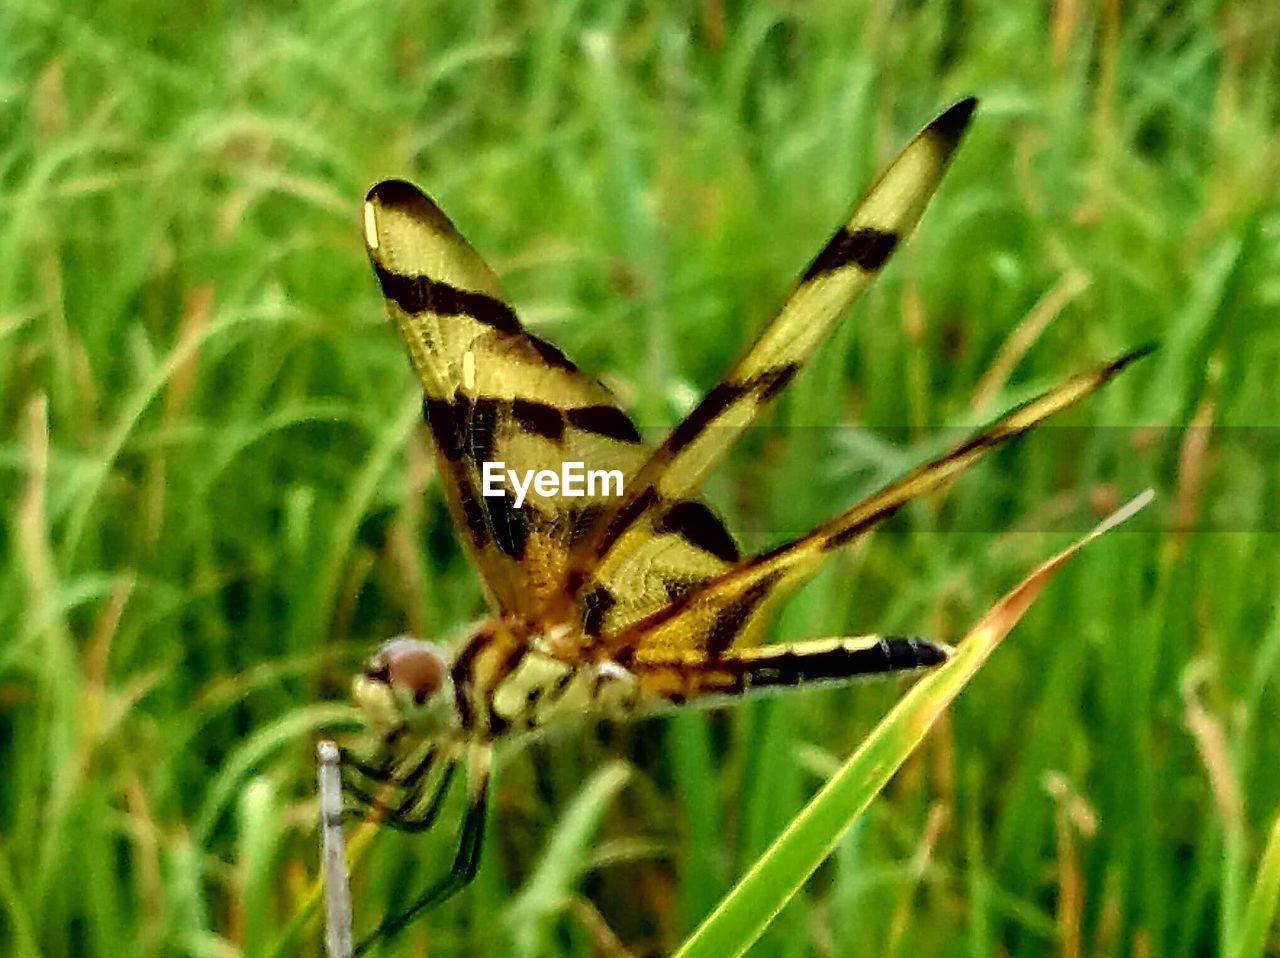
[(402, 198), (1146, 349), (950, 125), (395, 193), (1110, 370)]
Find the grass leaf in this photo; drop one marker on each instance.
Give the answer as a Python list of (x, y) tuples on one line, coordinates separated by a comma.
[(778, 874), (1261, 911)]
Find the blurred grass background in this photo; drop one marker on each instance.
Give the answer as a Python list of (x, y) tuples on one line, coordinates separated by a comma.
[(217, 500)]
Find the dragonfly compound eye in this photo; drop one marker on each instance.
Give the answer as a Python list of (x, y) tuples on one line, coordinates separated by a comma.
[(410, 665)]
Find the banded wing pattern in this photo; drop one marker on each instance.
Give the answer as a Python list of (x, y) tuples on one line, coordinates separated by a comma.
[(495, 392), (730, 609), (614, 603), (614, 562)]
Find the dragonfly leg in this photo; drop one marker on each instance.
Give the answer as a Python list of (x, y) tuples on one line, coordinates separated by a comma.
[(381, 771), (409, 813), (401, 816), (463, 870)]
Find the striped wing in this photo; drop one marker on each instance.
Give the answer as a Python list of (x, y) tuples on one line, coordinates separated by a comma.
[(494, 392), (617, 563), (732, 608)]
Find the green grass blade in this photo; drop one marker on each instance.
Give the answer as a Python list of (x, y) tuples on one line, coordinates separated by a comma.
[(778, 874), (549, 887), (1260, 913)]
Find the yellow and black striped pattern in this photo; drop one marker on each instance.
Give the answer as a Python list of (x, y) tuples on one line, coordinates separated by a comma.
[(731, 608), (682, 675), (652, 581), (617, 561), (494, 392), (614, 606)]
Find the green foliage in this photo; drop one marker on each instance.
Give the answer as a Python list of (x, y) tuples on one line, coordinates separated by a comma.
[(812, 835), (216, 502)]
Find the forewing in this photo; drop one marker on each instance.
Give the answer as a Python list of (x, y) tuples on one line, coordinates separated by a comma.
[(625, 547), (496, 393), (492, 392)]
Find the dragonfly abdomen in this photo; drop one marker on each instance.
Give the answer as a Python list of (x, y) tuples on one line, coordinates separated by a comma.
[(683, 675)]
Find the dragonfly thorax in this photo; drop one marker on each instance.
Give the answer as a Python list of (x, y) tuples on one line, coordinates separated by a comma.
[(510, 677)]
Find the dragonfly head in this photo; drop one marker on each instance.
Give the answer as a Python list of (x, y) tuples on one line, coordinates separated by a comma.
[(407, 683)]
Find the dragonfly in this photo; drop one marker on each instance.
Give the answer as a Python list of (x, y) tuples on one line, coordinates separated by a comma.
[(626, 599)]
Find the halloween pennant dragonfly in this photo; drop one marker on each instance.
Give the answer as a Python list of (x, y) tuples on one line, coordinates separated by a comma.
[(613, 605)]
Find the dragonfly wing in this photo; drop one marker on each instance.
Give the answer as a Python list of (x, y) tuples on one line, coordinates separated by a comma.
[(731, 608), (624, 550), (495, 393)]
